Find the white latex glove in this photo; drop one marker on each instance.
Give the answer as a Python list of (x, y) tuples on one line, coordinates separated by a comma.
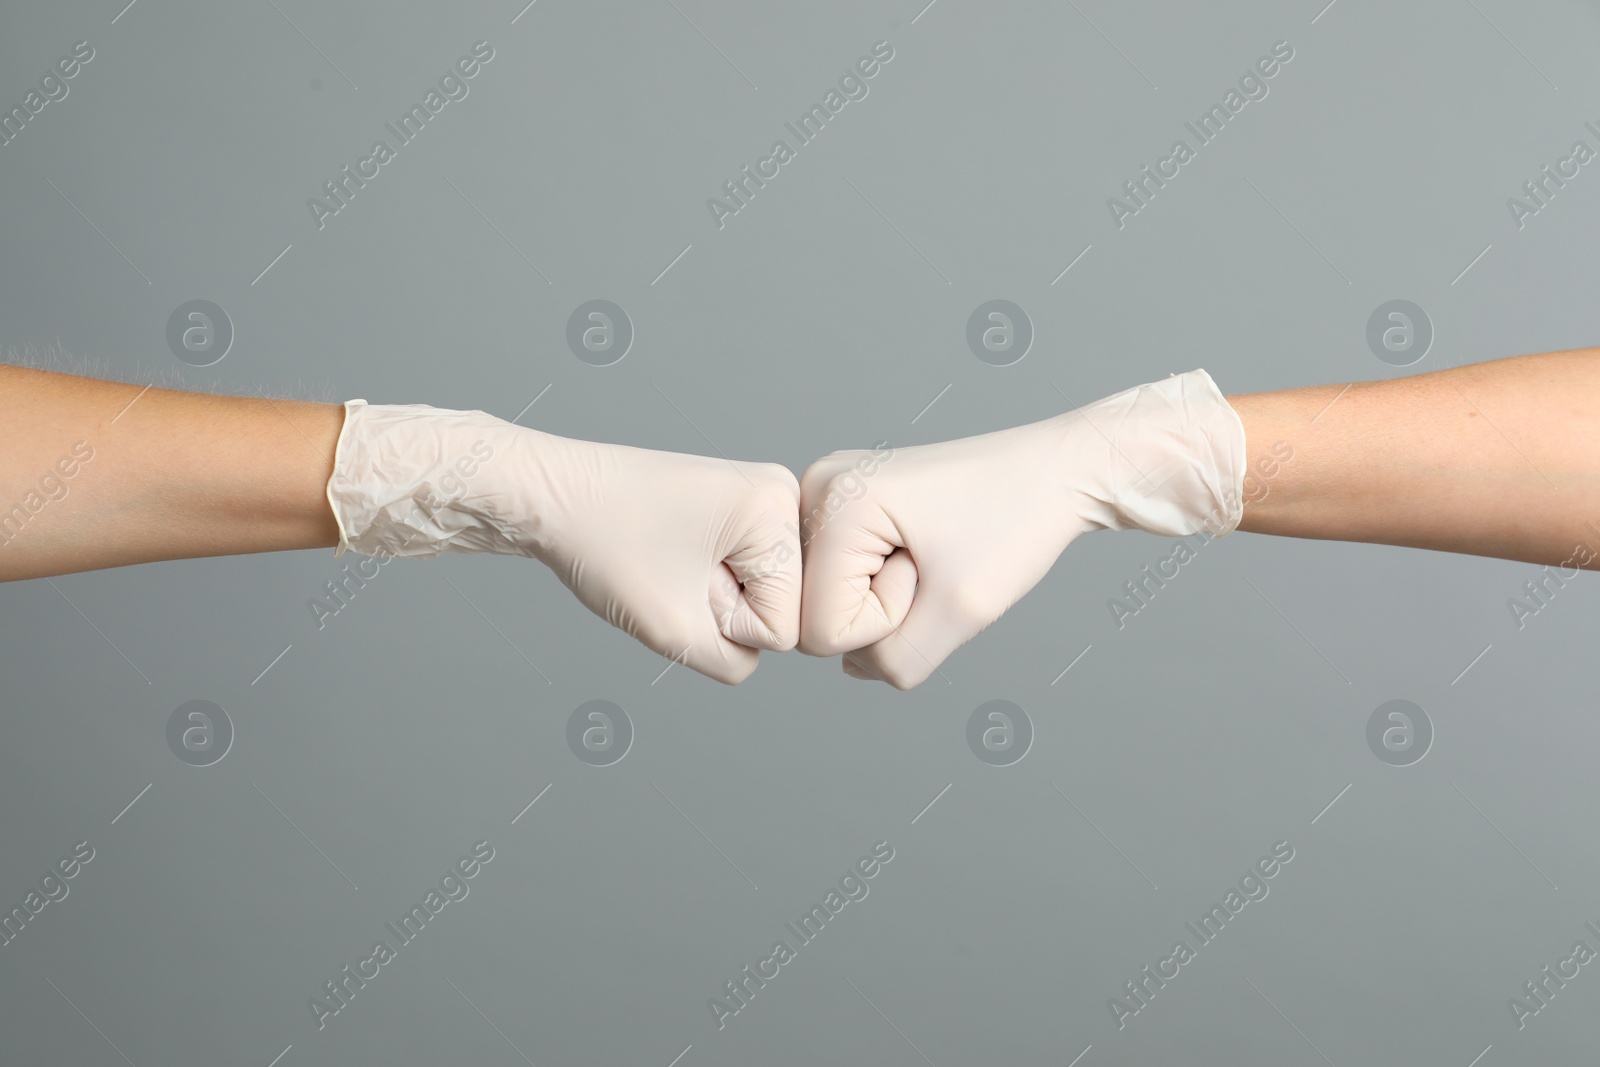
[(909, 557), (656, 543)]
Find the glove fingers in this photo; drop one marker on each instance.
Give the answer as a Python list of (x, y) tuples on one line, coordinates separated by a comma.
[(909, 655), (711, 652), (844, 607), (895, 584), (765, 612), (689, 637), (737, 620), (892, 591), (855, 670), (718, 658)]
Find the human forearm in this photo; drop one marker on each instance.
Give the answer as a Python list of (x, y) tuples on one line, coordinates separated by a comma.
[(1495, 459), (169, 475), (696, 557), (1498, 459)]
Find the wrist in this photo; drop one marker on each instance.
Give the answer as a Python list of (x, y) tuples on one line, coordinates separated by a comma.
[(410, 480), (1166, 457)]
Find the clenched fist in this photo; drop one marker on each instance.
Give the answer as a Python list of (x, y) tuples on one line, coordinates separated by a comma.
[(697, 558), (910, 553)]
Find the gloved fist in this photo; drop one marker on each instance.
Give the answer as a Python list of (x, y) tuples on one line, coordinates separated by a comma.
[(697, 558), (907, 563)]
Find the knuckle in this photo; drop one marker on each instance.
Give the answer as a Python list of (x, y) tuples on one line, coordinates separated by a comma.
[(901, 676), (896, 662), (784, 483), (732, 673), (815, 640), (773, 507), (785, 634), (828, 466), (813, 478)]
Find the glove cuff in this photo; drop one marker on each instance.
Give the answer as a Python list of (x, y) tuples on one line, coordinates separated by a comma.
[(403, 482), (1176, 457), (338, 457)]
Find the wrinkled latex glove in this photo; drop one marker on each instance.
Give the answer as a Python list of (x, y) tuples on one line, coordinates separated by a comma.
[(697, 558), (908, 557)]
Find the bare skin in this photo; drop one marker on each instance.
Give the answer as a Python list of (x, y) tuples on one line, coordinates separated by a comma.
[(1494, 459), (171, 475)]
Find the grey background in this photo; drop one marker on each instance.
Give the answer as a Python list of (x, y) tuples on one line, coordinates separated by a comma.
[(425, 716)]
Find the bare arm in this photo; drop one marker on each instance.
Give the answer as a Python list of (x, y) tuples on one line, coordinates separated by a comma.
[(99, 474), (1494, 459), (102, 474)]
